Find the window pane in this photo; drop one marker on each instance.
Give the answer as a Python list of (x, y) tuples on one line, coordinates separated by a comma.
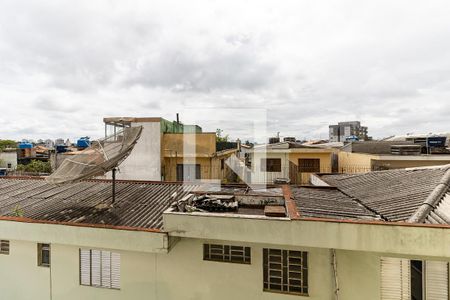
[(44, 255), (106, 269), (100, 268), (115, 270), (96, 267), (285, 271), (309, 165), (4, 247), (85, 267), (271, 164), (226, 253)]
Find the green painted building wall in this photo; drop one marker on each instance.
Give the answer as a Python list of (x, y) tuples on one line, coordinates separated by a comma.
[(174, 127)]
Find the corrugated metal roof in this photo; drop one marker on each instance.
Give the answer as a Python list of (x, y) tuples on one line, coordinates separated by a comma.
[(394, 194), (441, 214), (328, 203), (138, 204)]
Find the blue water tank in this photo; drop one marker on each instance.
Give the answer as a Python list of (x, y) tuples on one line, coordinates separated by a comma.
[(352, 138), (61, 148), (25, 145), (83, 142)]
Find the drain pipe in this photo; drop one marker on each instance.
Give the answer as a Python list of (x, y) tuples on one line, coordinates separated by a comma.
[(335, 274), (430, 203)]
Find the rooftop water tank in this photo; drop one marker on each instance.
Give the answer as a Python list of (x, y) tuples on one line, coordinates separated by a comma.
[(83, 142), (25, 145), (274, 140)]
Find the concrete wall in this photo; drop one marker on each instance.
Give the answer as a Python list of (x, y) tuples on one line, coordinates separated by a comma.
[(144, 162), (383, 164), (20, 276), (183, 274), (205, 144), (358, 274), (304, 178), (200, 149), (362, 162), (355, 162), (137, 276), (208, 167), (259, 176), (180, 274), (8, 157)]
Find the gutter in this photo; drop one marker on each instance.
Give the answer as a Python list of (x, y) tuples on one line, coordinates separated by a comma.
[(432, 200)]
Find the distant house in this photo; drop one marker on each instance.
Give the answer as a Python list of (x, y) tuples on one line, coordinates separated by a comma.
[(290, 160), (381, 235), (8, 159), (360, 157)]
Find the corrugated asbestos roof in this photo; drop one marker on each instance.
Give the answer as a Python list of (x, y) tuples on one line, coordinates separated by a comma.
[(138, 204), (322, 202), (441, 214), (394, 194)]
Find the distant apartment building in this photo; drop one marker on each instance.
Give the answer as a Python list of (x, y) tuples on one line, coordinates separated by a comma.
[(348, 130)]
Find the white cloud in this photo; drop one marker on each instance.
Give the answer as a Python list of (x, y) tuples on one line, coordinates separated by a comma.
[(309, 63)]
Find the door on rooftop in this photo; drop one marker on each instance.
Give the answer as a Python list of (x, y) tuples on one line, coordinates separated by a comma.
[(188, 172)]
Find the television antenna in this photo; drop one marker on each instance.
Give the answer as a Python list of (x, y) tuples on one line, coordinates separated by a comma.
[(102, 156)]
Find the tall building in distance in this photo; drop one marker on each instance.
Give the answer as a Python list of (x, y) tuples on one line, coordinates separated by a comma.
[(348, 130)]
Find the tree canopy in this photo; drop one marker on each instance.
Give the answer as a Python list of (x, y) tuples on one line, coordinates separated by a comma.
[(219, 137), (7, 144), (36, 166)]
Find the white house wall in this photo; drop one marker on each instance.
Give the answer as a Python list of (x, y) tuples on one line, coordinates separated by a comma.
[(144, 162), (183, 274), (8, 158), (259, 176)]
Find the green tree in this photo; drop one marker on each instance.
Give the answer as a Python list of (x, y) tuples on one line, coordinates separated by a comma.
[(36, 166), (219, 137), (7, 144)]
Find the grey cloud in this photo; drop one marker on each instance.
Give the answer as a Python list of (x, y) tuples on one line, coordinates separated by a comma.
[(308, 65), (181, 68), (53, 105)]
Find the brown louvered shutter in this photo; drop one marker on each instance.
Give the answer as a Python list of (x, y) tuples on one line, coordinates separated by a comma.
[(115, 270), (85, 267), (395, 279), (436, 280), (309, 165)]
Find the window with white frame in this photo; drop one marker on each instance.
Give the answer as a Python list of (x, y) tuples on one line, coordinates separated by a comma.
[(100, 268), (406, 279)]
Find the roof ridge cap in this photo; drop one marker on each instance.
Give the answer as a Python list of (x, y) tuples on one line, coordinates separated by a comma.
[(433, 198)]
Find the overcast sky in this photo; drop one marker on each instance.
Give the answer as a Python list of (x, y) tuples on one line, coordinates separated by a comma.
[(64, 65)]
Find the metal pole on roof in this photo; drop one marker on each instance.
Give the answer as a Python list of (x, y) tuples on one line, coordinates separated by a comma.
[(113, 185)]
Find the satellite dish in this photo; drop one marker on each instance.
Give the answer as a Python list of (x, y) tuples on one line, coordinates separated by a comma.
[(102, 156)]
